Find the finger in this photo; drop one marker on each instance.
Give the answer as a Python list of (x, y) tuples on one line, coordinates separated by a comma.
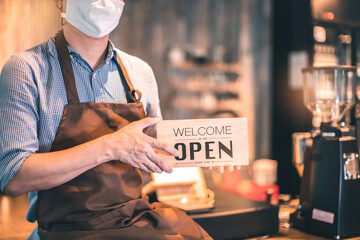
[(164, 147), (237, 167), (167, 168), (220, 169), (206, 168), (144, 167), (162, 164), (159, 162), (152, 167), (229, 168), (144, 123)]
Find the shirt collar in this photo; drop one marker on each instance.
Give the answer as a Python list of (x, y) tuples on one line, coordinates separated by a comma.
[(50, 44)]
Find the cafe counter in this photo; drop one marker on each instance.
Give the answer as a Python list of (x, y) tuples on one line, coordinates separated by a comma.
[(13, 225)]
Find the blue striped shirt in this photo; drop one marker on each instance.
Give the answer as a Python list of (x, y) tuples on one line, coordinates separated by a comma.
[(32, 97)]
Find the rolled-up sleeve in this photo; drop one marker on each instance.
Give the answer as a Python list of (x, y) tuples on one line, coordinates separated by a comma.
[(153, 102), (18, 117)]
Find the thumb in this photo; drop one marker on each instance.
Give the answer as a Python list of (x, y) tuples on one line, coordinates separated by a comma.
[(146, 122)]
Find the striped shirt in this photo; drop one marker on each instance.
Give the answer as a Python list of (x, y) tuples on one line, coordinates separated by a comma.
[(32, 97)]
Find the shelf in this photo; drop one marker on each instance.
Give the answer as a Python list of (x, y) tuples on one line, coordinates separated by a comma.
[(204, 84), (205, 90), (234, 68), (204, 105)]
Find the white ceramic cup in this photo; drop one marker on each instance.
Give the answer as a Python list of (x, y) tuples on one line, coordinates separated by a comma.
[(264, 172)]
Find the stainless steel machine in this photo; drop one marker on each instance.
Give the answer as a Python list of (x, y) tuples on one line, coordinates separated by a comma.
[(328, 156)]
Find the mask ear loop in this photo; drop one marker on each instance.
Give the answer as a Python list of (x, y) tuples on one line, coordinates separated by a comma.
[(63, 19), (63, 14)]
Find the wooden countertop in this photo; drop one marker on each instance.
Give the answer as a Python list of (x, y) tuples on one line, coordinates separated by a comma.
[(13, 225)]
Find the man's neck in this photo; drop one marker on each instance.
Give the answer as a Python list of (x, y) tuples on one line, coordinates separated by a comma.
[(93, 50)]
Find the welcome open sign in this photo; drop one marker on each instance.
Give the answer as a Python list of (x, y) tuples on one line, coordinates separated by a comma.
[(206, 142)]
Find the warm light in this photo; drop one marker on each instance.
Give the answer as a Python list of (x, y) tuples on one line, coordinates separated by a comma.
[(184, 200), (319, 34), (329, 15), (345, 38)]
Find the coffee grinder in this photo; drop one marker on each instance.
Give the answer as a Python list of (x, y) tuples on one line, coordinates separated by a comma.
[(330, 188)]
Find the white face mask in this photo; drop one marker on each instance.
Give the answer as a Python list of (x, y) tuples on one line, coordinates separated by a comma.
[(95, 18)]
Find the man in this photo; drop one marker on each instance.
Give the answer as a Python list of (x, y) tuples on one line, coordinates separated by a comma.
[(72, 115)]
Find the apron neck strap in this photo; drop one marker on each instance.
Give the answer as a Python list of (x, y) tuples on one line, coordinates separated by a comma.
[(132, 95), (61, 44), (66, 68)]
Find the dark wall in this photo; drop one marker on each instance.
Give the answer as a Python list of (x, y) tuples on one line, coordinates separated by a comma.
[(292, 32)]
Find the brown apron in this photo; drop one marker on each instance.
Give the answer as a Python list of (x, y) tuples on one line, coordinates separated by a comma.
[(104, 202)]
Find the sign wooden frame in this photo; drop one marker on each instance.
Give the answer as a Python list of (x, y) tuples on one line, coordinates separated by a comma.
[(206, 142)]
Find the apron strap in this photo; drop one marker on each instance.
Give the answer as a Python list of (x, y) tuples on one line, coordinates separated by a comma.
[(66, 68), (132, 95)]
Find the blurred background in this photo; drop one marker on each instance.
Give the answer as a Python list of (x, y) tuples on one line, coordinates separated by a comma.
[(219, 58)]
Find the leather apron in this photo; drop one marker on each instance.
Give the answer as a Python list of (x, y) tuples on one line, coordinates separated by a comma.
[(104, 202)]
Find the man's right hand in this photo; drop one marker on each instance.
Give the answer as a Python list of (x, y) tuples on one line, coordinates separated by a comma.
[(130, 145)]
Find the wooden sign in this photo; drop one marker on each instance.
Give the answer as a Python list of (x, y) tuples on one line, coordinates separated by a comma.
[(206, 142)]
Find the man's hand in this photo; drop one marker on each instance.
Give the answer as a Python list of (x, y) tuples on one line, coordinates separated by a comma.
[(229, 168), (130, 145)]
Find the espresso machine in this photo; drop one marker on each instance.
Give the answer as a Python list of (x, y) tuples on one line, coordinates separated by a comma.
[(327, 157)]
